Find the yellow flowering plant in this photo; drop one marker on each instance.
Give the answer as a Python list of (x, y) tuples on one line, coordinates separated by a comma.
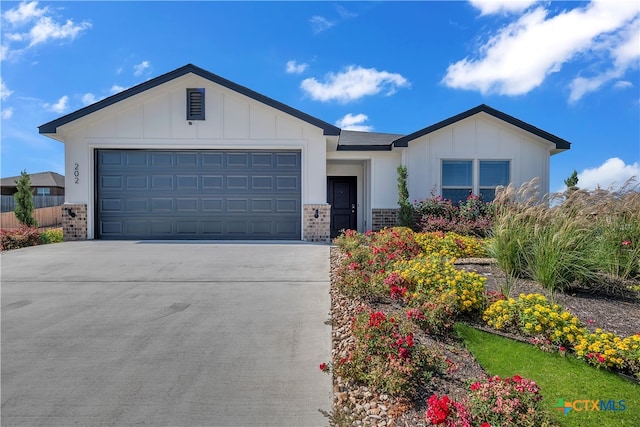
[(452, 245), (433, 278)]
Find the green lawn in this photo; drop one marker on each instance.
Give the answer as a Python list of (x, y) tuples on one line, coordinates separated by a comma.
[(558, 377)]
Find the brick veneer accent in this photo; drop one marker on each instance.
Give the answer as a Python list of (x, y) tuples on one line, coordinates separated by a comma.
[(74, 228), (317, 229), (381, 218)]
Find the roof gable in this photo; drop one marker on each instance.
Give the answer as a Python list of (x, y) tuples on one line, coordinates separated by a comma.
[(52, 126), (40, 179), (560, 143)]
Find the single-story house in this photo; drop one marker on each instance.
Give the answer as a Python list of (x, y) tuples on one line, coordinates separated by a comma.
[(191, 155), (42, 184)]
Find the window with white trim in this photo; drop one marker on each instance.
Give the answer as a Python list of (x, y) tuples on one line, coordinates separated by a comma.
[(492, 174), (459, 178), (43, 191)]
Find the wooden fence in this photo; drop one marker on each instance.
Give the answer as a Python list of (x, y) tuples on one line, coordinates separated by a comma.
[(8, 204), (46, 217)]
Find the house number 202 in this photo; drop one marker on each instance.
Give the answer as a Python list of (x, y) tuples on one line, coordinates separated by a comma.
[(76, 173)]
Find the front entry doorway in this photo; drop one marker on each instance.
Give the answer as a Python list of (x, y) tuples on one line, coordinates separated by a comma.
[(341, 195)]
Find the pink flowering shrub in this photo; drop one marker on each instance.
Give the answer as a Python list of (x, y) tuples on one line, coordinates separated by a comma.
[(496, 402)]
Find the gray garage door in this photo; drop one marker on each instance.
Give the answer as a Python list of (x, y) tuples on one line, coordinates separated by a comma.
[(152, 194)]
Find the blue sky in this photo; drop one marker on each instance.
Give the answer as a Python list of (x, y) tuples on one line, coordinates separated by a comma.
[(569, 68)]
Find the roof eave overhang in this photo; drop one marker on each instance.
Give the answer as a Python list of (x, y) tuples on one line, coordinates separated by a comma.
[(364, 147)]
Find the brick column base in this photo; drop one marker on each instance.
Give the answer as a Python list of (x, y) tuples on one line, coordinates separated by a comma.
[(74, 221), (381, 218), (317, 229)]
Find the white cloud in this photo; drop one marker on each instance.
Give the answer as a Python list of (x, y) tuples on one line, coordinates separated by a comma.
[(25, 12), (622, 84), (344, 13), (60, 106), (46, 29), (5, 93), (294, 68), (625, 55), (353, 83), (117, 88), (27, 25), (351, 122), (488, 7), (89, 98), (612, 174), (320, 24), (140, 68), (519, 56), (7, 113)]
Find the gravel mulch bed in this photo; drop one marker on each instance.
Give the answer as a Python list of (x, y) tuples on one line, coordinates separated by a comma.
[(355, 405)]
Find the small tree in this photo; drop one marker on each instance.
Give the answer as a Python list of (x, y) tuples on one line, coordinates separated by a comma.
[(405, 216), (24, 201), (572, 181)]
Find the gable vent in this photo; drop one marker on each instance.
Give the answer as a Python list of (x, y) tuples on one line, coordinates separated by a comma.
[(195, 104)]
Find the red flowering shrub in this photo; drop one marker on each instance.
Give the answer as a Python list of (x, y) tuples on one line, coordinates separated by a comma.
[(19, 238), (496, 402), (384, 355), (370, 255)]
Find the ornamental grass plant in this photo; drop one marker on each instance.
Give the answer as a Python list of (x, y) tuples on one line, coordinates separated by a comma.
[(584, 239)]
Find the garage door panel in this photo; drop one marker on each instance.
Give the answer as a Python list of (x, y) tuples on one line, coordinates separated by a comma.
[(262, 160), (161, 159), (212, 205), (187, 182), (136, 158), (187, 160), (162, 182), (137, 205), (237, 183), (111, 182), (136, 182), (212, 182), (287, 183), (238, 160), (157, 194), (187, 227), (139, 228), (187, 205)]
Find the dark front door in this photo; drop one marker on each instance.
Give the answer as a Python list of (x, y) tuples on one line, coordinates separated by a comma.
[(341, 195)]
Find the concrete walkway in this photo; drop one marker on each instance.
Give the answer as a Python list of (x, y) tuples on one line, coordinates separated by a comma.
[(103, 333)]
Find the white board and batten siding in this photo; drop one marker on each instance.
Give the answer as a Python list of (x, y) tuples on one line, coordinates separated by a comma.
[(479, 137)]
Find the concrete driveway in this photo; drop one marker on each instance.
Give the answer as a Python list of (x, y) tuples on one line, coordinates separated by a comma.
[(101, 333)]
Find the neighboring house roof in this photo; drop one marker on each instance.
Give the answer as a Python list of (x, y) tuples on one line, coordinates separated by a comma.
[(351, 140), (40, 179), (52, 127), (560, 143)]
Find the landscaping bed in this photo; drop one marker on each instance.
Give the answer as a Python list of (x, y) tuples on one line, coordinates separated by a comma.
[(356, 404)]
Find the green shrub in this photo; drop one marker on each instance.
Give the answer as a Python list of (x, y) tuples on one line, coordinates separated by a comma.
[(24, 201), (51, 235)]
